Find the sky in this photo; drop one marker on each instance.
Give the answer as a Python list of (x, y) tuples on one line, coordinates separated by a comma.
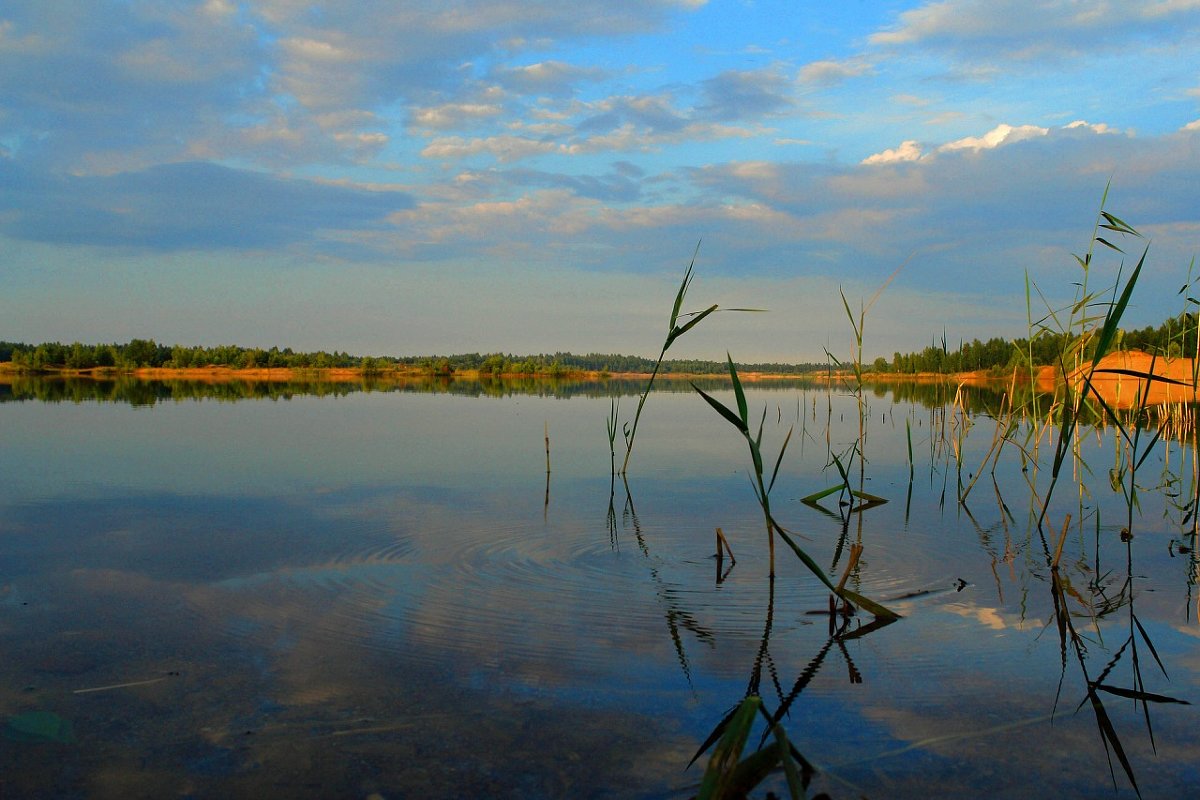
[(411, 178)]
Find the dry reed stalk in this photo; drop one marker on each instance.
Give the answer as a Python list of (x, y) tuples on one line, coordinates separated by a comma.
[(723, 546), (856, 551), (1062, 538)]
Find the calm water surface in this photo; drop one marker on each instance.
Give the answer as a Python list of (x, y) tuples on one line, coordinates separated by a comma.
[(382, 594)]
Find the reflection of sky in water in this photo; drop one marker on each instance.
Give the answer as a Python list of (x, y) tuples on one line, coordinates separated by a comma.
[(377, 580)]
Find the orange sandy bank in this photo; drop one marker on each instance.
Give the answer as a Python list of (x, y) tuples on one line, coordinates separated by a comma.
[(1117, 379)]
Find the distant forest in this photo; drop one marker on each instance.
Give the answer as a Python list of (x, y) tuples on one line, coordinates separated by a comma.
[(1176, 336), (147, 353)]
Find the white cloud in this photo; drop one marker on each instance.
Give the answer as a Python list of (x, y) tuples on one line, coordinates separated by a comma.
[(1166, 8), (1099, 127), (629, 138), (1023, 30), (453, 115), (503, 148), (1000, 135), (830, 73), (910, 100), (909, 150), (1194, 125), (547, 77)]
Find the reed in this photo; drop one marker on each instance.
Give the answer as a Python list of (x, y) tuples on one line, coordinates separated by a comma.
[(610, 425), (762, 486), (674, 331), (729, 776), (1090, 337)]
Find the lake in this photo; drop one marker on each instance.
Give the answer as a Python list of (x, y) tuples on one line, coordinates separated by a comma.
[(379, 591)]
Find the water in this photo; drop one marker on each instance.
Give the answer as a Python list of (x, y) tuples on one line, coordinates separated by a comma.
[(382, 594)]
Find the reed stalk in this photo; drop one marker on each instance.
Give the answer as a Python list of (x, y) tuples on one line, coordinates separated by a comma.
[(674, 331), (762, 486)]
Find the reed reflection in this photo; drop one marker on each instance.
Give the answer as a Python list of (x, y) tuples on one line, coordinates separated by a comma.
[(728, 774)]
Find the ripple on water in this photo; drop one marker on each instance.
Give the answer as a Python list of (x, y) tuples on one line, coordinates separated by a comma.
[(517, 591)]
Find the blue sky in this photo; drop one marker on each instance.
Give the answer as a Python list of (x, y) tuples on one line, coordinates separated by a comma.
[(494, 175)]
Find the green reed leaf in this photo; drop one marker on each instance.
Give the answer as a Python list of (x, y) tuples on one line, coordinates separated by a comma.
[(1145, 697), (1109, 736), (750, 772), (1113, 319), (805, 557), (756, 456), (739, 394), (821, 495), (715, 734), (683, 287), (850, 314), (1150, 644), (719, 776), (870, 606), (779, 460), (794, 782), (1115, 223), (722, 410), (676, 332)]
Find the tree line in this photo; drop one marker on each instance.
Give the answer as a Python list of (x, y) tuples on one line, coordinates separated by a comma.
[(564, 362), (1174, 337), (138, 353)]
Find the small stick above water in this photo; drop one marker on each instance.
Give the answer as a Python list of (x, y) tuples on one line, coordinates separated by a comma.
[(723, 547), (118, 686)]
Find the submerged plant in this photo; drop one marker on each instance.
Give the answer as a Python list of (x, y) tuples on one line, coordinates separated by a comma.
[(729, 776)]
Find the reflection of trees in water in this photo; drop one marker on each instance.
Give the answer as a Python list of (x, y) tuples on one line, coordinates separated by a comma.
[(141, 392)]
